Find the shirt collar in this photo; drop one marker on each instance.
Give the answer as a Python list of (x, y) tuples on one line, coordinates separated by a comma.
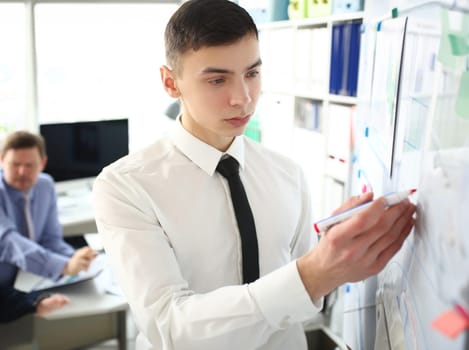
[(14, 194), (202, 154)]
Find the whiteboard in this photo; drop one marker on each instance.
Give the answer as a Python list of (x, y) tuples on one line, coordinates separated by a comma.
[(430, 274)]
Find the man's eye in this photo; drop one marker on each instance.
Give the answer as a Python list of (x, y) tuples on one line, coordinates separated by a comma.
[(253, 74), (217, 81)]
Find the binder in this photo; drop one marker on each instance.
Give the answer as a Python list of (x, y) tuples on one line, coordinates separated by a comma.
[(278, 10), (304, 58), (339, 133), (345, 58), (354, 59), (336, 61), (345, 52), (307, 114), (319, 62)]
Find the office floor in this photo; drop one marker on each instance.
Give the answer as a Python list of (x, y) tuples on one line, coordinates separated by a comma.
[(317, 338), (111, 345)]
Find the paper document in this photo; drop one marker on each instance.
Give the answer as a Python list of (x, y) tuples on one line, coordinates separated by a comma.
[(98, 264)]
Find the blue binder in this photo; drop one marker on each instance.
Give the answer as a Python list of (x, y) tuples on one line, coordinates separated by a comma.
[(345, 50), (354, 58), (345, 58), (336, 70)]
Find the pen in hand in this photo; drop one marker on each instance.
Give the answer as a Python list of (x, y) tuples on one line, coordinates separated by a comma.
[(391, 198)]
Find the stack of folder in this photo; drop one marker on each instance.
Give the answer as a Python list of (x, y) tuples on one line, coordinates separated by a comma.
[(307, 114), (339, 136), (345, 51), (277, 50), (311, 66)]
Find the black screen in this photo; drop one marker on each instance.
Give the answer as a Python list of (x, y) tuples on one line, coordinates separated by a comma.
[(82, 149)]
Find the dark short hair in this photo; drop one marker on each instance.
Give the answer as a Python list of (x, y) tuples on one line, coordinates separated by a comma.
[(24, 139), (205, 23)]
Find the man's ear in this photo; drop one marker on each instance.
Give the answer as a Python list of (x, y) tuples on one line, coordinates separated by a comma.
[(43, 162), (169, 81)]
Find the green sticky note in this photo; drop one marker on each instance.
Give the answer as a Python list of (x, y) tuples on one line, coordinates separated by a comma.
[(462, 100), (459, 44), (444, 51), (453, 42)]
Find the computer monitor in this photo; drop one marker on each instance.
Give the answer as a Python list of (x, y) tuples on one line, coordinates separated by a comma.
[(81, 149)]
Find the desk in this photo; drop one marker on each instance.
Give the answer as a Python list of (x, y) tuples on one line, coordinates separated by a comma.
[(75, 206), (91, 317)]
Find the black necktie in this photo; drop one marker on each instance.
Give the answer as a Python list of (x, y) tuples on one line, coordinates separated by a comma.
[(229, 169)]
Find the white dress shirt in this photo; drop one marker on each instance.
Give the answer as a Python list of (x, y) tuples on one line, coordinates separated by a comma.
[(168, 227)]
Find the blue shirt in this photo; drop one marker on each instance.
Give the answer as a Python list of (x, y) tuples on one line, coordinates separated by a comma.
[(48, 253)]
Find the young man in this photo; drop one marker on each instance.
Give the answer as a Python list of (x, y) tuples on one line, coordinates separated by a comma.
[(15, 304), (169, 226), (31, 235)]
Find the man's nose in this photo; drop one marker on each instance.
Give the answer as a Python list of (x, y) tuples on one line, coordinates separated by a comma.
[(22, 170), (241, 94)]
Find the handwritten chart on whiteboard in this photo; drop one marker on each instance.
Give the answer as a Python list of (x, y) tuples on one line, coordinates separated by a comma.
[(386, 76), (430, 275)]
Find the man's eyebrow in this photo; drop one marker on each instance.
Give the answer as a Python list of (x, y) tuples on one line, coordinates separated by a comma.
[(255, 64), (209, 70)]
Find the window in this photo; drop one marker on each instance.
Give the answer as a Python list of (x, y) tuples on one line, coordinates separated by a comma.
[(101, 61), (12, 67), (88, 61)]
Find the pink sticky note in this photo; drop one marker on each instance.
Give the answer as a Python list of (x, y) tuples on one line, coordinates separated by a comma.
[(451, 323)]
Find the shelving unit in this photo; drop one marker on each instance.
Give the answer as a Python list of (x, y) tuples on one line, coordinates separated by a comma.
[(297, 113)]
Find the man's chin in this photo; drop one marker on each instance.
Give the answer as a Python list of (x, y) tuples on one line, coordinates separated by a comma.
[(22, 186)]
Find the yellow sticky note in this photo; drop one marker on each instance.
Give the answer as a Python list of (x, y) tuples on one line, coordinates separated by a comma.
[(451, 323)]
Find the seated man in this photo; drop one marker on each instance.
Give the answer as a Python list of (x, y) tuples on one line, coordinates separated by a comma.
[(15, 304), (30, 232)]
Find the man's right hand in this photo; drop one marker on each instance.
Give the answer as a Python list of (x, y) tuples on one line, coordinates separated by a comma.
[(358, 247), (51, 303), (80, 261)]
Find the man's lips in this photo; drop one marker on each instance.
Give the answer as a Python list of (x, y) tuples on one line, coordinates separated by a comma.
[(239, 121)]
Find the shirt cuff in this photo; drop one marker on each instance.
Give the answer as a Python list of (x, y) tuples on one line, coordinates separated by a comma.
[(55, 265), (282, 297), (40, 298)]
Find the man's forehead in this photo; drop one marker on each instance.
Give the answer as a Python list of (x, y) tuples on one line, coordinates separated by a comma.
[(215, 69), (241, 55), (19, 153)]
